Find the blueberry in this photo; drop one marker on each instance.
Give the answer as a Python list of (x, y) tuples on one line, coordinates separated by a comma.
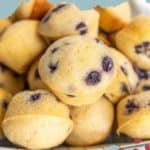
[(70, 95), (81, 25), (97, 40), (66, 43), (142, 74), (53, 67), (124, 88), (84, 31), (146, 44), (59, 7), (131, 106), (35, 97), (93, 78), (139, 49), (146, 87), (82, 28), (46, 18), (54, 50), (142, 48), (36, 74), (107, 64), (5, 105), (124, 70)]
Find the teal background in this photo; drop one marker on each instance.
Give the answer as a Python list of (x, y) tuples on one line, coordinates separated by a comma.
[(8, 6)]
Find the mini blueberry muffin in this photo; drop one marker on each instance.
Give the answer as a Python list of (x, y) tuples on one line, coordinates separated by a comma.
[(5, 98), (32, 9), (134, 41), (77, 69), (36, 120), (73, 22), (133, 115), (4, 24), (92, 123), (114, 18), (125, 81), (20, 45), (10, 80), (34, 79)]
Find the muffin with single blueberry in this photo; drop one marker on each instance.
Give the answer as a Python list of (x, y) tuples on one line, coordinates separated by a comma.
[(37, 120)]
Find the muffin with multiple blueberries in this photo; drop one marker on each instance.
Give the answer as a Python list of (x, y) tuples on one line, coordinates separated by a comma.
[(133, 115), (66, 74), (78, 69)]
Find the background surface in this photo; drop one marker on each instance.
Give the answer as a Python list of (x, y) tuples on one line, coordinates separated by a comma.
[(8, 6)]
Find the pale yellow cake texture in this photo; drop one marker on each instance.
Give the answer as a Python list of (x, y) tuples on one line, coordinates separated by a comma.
[(33, 77), (125, 81), (66, 21), (67, 65), (132, 39), (20, 45), (37, 120), (114, 18), (5, 98), (92, 123), (91, 19), (10, 80), (133, 115)]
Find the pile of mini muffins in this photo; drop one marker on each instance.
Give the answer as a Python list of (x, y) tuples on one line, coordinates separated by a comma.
[(64, 72)]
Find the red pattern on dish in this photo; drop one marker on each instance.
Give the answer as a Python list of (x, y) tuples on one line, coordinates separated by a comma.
[(147, 147), (137, 140)]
